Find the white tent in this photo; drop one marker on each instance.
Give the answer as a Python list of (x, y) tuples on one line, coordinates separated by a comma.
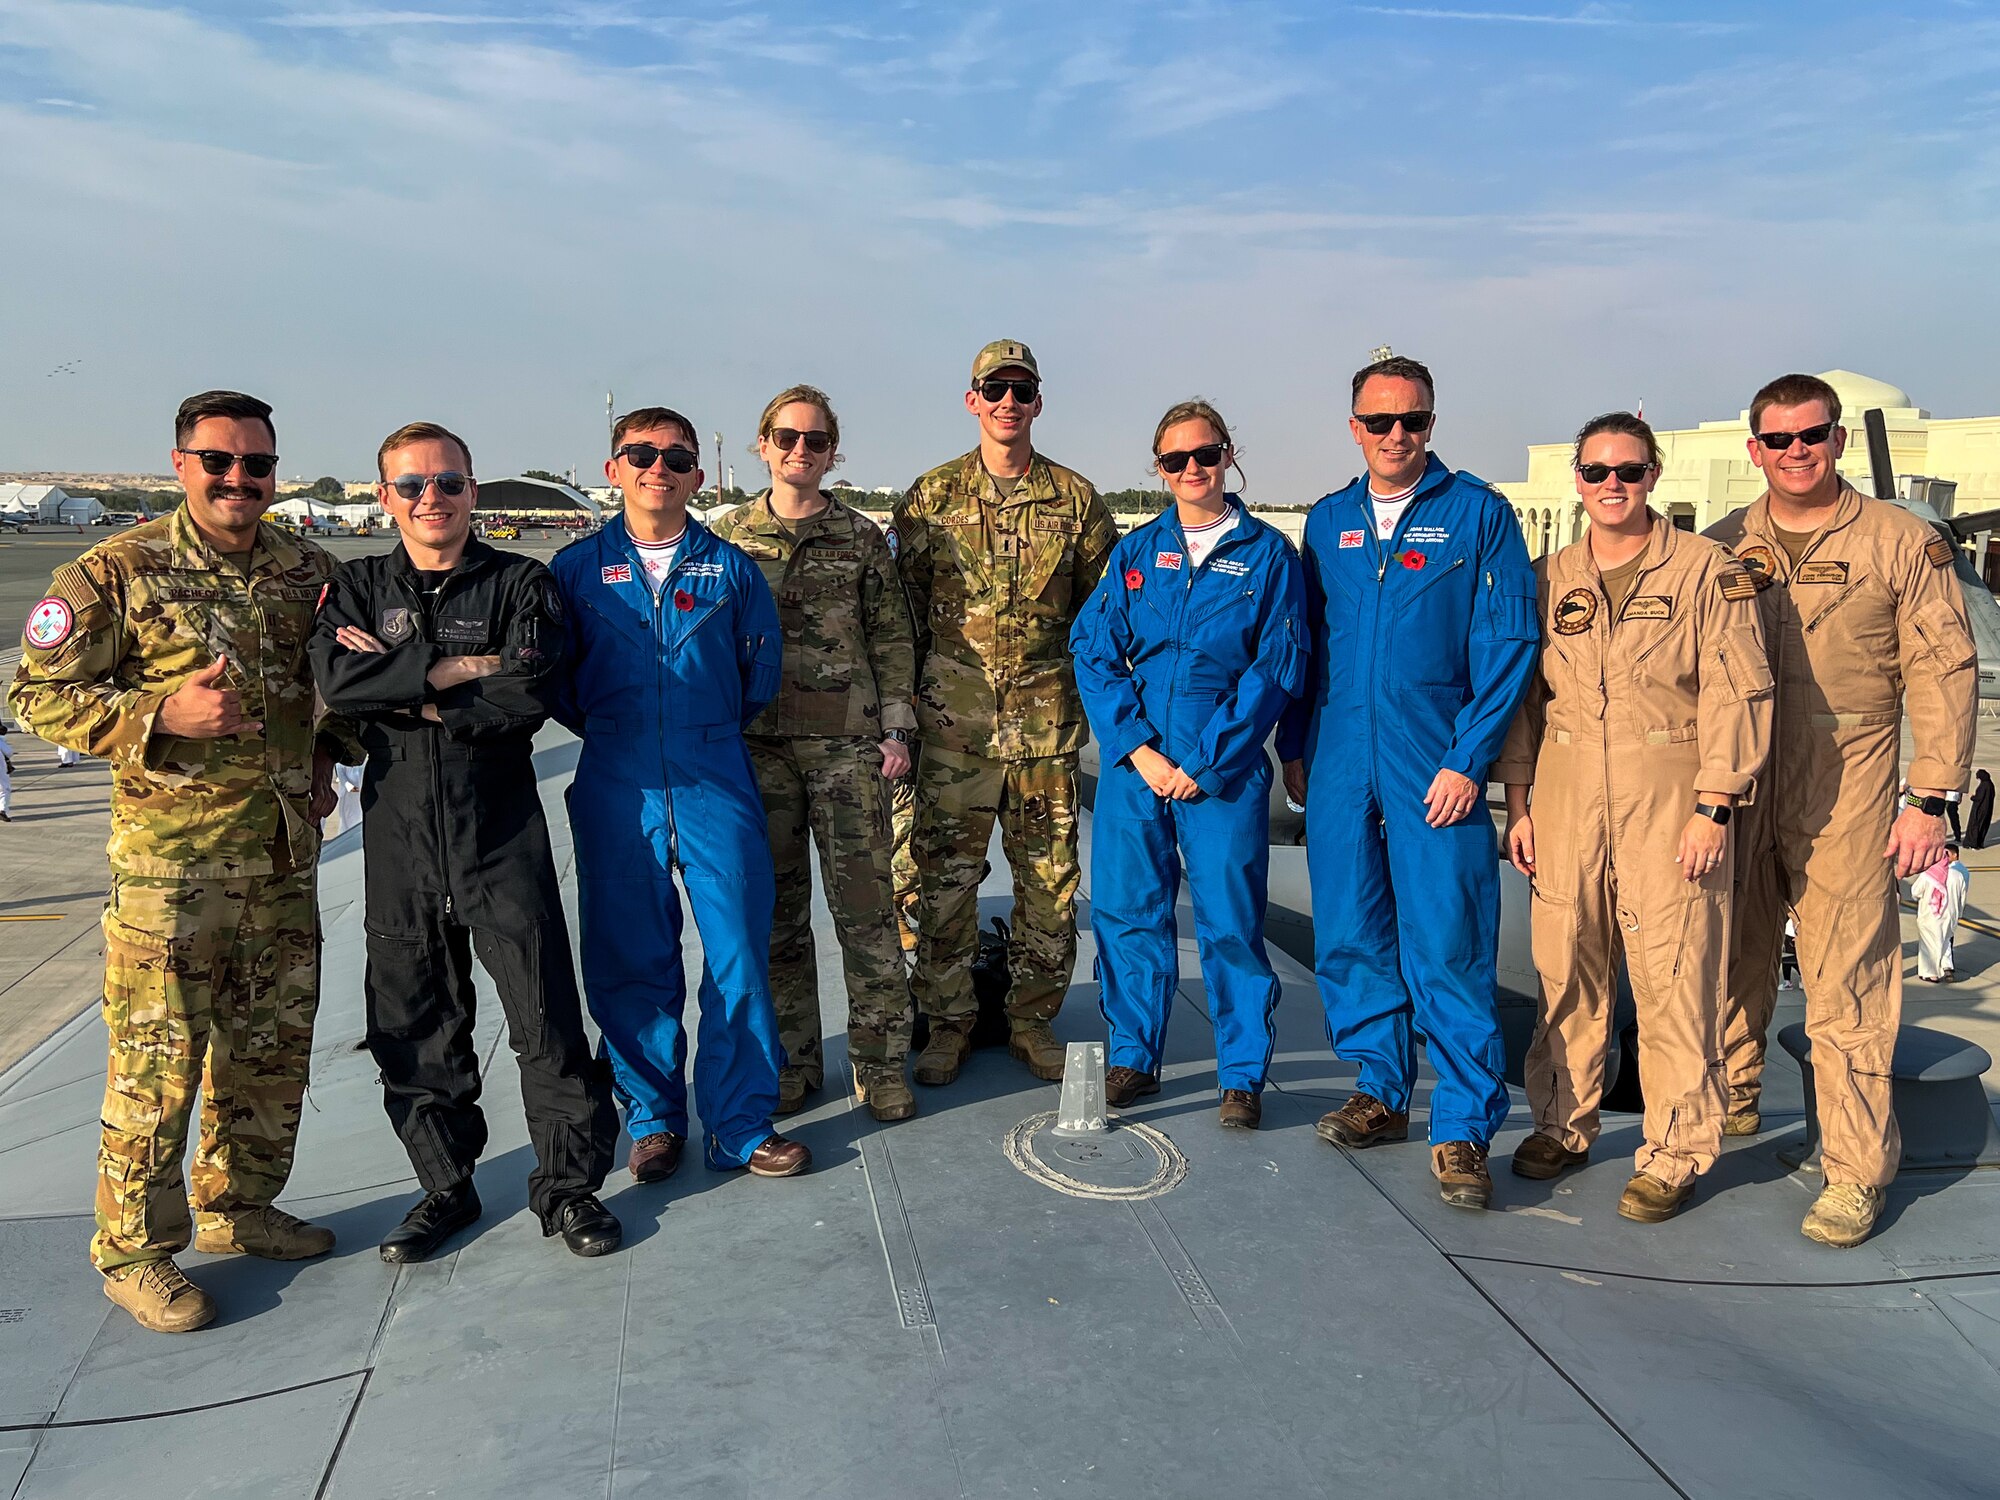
[(47, 503)]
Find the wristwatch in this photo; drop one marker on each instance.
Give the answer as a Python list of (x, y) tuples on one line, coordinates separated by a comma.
[(1935, 806), (1720, 815), (901, 736)]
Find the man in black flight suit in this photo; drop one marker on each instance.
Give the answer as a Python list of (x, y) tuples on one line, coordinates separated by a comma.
[(440, 650)]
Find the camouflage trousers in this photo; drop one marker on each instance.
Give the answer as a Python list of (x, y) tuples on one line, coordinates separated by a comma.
[(959, 797), (829, 790), (208, 984), (903, 858)]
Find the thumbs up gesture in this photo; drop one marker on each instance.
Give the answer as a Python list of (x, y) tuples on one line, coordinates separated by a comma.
[(199, 710)]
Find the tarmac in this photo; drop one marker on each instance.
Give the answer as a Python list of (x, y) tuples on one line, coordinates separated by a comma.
[(959, 1305)]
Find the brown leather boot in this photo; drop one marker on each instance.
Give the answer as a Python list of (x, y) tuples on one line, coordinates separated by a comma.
[(1460, 1168), (779, 1157), (1362, 1121), (1647, 1200), (1036, 1045), (1241, 1110), (944, 1054), (880, 1088), (1543, 1156), (1127, 1086), (655, 1158)]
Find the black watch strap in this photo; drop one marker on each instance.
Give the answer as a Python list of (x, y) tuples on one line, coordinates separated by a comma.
[(1719, 815), (1935, 806), (901, 736)]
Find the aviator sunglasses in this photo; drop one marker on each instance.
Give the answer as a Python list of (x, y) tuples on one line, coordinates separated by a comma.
[(784, 439), (1416, 423), (215, 462), (1812, 437), (1208, 455), (993, 390), (645, 455), (451, 484), (1628, 473)]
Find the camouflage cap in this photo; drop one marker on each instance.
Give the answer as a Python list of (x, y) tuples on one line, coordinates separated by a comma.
[(1002, 353)]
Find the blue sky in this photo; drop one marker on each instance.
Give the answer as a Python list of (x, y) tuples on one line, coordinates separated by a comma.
[(486, 212)]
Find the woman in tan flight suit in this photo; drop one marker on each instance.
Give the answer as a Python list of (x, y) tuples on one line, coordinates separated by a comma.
[(1646, 724)]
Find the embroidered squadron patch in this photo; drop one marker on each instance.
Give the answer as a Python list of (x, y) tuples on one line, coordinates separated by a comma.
[(895, 542), (1939, 551), (1352, 538), (1759, 559), (1821, 572), (398, 625), (1650, 607), (1740, 583), (49, 624), (1575, 611)]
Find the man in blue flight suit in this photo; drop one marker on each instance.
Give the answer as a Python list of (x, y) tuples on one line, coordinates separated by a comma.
[(1421, 631), (675, 645), (1185, 655)]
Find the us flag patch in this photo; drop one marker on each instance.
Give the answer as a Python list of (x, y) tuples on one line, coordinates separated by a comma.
[(1351, 538), (1167, 560), (618, 573)]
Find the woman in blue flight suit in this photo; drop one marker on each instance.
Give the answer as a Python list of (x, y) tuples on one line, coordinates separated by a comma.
[(1185, 657)]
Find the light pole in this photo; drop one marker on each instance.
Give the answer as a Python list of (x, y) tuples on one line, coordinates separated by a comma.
[(720, 469)]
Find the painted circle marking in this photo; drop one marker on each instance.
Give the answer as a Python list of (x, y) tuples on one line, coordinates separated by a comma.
[(1126, 1147)]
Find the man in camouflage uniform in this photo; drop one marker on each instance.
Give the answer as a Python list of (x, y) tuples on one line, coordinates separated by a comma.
[(825, 751), (999, 551), (177, 651)]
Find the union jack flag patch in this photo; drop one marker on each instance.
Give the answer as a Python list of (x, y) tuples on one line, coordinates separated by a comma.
[(1352, 538), (618, 573), (1167, 560)]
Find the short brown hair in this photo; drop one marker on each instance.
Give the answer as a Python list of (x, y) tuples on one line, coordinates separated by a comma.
[(221, 404), (1621, 422), (418, 432), (646, 418), (1395, 367), (809, 395), (1198, 409), (1795, 390)]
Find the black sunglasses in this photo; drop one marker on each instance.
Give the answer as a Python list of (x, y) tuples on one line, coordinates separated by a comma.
[(1208, 455), (1598, 473), (994, 390), (1416, 423), (1812, 437), (216, 462), (645, 455), (784, 439), (451, 484)]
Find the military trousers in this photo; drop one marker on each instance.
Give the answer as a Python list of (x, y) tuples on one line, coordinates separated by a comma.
[(903, 855), (829, 791), (209, 985), (959, 798), (1811, 846), (1607, 888)]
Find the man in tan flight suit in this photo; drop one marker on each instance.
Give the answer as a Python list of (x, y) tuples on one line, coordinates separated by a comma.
[(1645, 726), (1862, 616), (999, 550)]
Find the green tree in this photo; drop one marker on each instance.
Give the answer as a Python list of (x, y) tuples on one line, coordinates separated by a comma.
[(326, 487), (544, 474)]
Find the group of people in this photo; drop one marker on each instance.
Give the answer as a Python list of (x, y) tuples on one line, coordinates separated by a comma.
[(748, 688)]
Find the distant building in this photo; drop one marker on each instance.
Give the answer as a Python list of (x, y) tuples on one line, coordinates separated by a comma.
[(535, 499), (1951, 464), (47, 503)]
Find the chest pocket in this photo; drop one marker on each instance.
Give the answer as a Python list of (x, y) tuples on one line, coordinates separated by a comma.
[(1862, 611), (1049, 569)]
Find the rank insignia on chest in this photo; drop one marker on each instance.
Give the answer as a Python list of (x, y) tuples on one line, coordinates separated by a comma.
[(1821, 572), (1649, 607), (1575, 611), (1167, 560), (1352, 538), (616, 573), (398, 625)]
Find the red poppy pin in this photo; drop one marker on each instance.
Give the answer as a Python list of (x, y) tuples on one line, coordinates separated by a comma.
[(1414, 560), (683, 599), (1134, 578)]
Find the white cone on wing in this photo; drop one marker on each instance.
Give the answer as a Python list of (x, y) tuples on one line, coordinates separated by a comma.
[(1081, 1109)]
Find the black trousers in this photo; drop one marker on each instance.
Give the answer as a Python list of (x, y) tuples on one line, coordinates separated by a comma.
[(420, 1031)]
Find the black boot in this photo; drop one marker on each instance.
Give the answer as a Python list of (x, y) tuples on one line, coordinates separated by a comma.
[(427, 1226), (587, 1226)]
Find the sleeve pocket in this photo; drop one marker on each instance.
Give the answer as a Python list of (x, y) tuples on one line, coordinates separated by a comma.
[(1944, 635), (1745, 665), (1512, 609)]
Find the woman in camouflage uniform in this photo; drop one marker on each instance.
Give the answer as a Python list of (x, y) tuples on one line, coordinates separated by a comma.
[(827, 749)]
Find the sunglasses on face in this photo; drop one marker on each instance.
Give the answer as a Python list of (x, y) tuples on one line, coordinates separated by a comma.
[(1416, 423), (1598, 473), (994, 391), (215, 462), (451, 484), (1207, 456), (1812, 437), (784, 439), (645, 455)]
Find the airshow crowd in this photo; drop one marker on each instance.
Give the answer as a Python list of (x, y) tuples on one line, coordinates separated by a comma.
[(1697, 736)]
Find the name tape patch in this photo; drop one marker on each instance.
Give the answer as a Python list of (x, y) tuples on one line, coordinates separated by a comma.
[(1821, 572), (1650, 607)]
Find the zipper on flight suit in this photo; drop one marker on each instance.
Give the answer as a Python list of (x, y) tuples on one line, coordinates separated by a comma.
[(424, 613), (663, 677)]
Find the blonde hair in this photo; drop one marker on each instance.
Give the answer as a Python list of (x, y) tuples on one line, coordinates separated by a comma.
[(809, 395), (1198, 409)]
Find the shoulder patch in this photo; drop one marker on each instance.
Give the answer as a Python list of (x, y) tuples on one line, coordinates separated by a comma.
[(49, 624), (895, 542), (552, 604), (1939, 551), (1575, 611), (1738, 582)]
